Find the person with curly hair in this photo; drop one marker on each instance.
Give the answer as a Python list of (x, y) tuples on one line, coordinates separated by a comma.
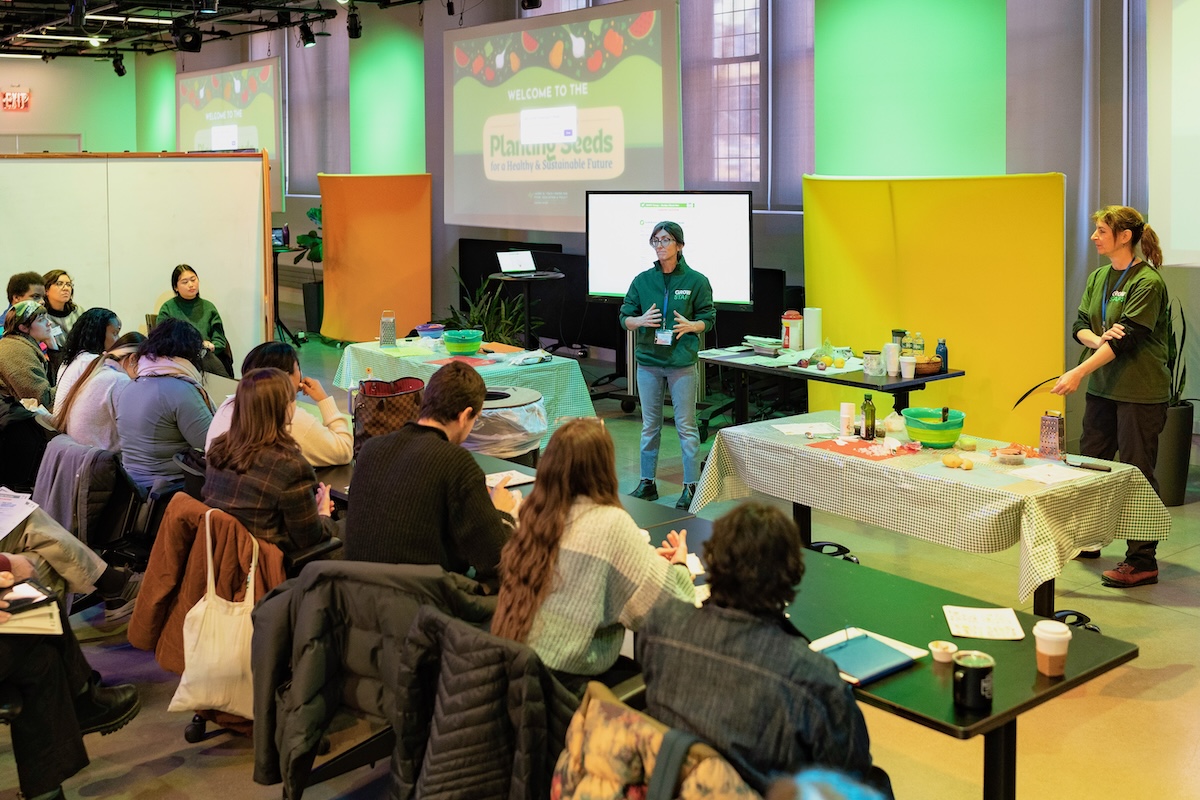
[(165, 410), (768, 703), (93, 334), (577, 571)]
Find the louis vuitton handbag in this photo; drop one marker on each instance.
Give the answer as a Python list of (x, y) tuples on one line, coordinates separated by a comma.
[(384, 406)]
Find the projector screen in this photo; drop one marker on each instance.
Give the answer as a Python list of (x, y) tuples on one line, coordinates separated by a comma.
[(539, 111), (232, 108), (716, 230)]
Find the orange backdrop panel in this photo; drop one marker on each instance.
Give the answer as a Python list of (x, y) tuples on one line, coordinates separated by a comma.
[(376, 232)]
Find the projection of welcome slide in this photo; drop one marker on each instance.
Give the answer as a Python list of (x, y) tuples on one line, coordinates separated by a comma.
[(541, 112), (233, 108)]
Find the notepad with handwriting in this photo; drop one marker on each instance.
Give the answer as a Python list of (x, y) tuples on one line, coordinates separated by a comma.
[(864, 659)]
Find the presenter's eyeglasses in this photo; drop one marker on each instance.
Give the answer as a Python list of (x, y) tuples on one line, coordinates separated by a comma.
[(662, 241)]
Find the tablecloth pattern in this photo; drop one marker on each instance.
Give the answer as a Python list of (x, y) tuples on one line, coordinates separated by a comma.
[(1050, 523), (559, 380)]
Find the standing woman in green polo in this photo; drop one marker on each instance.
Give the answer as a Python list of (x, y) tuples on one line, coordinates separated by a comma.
[(1123, 319), (187, 304), (668, 307)]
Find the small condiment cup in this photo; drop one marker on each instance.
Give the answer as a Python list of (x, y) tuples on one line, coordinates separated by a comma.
[(943, 652)]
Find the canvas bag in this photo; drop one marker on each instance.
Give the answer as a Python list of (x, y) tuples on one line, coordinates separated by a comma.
[(216, 646), (384, 406)]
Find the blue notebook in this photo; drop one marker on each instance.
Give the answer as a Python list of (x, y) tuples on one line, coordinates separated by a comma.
[(866, 659)]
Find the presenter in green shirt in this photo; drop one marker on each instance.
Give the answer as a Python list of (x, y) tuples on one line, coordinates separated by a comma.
[(188, 305), (1123, 320), (668, 307)]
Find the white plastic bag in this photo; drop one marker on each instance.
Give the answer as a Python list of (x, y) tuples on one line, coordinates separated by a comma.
[(216, 647)]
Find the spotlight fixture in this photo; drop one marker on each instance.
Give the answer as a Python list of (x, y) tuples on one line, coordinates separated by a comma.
[(353, 23), (306, 35), (209, 6), (187, 37), (78, 13), (119, 65), (450, 7), (529, 5)]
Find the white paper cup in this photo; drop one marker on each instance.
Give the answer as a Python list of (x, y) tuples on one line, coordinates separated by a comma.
[(908, 367), (942, 651), (1052, 639), (891, 357)]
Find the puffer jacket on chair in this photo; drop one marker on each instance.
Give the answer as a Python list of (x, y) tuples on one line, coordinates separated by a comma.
[(479, 717), (331, 639)]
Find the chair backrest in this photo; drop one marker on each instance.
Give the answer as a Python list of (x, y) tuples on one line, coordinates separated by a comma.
[(151, 321), (194, 465)]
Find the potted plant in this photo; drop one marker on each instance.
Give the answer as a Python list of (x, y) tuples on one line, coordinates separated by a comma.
[(1175, 441), (311, 247), (501, 320)]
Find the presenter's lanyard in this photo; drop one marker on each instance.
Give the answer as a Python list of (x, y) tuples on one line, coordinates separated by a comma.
[(666, 297), (1104, 302)]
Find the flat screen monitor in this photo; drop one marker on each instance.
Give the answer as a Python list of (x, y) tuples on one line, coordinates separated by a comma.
[(717, 241)]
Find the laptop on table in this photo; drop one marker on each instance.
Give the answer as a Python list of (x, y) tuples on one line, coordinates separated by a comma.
[(519, 264)]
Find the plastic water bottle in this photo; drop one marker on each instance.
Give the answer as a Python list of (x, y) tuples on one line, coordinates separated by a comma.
[(943, 354), (906, 344), (918, 345), (868, 422)]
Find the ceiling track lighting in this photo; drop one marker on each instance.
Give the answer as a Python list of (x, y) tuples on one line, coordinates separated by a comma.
[(78, 13), (209, 6), (118, 63), (187, 37), (450, 7), (353, 23), (306, 35)]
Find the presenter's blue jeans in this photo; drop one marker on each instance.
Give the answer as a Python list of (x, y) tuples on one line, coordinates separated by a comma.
[(652, 383)]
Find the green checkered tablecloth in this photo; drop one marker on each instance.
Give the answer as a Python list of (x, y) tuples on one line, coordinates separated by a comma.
[(951, 507), (559, 380)]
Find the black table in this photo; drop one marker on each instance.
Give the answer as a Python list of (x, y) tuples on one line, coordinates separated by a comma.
[(898, 387), (525, 279), (645, 513), (836, 593)]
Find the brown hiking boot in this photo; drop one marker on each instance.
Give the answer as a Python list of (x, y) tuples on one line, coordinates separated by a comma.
[(1125, 575)]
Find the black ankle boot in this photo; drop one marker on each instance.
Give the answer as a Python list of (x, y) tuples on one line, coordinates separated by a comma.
[(104, 709), (646, 490), (685, 499)]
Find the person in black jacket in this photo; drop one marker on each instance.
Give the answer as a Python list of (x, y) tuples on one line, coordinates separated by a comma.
[(420, 498)]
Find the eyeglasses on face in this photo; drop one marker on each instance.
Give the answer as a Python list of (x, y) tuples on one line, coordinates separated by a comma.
[(64, 284), (661, 241)]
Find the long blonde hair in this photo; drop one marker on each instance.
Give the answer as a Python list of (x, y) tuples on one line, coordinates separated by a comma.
[(1124, 218), (579, 462), (122, 348)]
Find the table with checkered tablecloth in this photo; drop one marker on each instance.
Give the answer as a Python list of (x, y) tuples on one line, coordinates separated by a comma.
[(914, 495), (559, 380)]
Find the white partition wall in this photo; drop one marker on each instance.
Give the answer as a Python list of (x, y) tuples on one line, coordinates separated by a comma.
[(120, 223)]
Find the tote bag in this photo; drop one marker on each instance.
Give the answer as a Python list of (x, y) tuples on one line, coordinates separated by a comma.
[(216, 646), (384, 406)]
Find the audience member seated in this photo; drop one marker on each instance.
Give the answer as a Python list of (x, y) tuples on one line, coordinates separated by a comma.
[(23, 445), (420, 498), (24, 368), (63, 313), (87, 411), (165, 410), (754, 689), (65, 564), (326, 442), (188, 305), (577, 570), (61, 699), (23, 286), (257, 474), (94, 333)]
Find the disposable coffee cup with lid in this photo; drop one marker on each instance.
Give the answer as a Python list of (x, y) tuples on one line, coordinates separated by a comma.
[(1052, 639)]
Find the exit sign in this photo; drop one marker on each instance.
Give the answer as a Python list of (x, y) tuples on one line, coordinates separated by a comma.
[(15, 99)]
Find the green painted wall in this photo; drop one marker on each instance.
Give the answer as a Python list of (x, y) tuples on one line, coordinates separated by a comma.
[(387, 93), (155, 102), (73, 96), (910, 88)]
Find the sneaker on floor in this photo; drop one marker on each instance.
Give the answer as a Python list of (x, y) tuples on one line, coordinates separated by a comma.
[(1126, 575), (120, 607), (685, 499), (646, 490), (105, 709)]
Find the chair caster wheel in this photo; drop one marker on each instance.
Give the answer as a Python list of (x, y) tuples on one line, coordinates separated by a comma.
[(194, 732), (628, 406), (834, 549), (1076, 619)]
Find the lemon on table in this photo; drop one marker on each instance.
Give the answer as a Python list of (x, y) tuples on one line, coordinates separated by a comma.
[(839, 362), (827, 361)]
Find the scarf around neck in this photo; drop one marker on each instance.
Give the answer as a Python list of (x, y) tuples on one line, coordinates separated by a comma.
[(173, 367)]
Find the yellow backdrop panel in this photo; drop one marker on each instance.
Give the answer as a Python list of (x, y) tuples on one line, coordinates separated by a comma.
[(377, 253), (977, 261)]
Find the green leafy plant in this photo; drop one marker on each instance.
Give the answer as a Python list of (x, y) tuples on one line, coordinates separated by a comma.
[(311, 245), (501, 320), (1176, 362)]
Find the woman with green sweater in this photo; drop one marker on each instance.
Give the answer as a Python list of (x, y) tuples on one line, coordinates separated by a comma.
[(577, 571), (188, 305)]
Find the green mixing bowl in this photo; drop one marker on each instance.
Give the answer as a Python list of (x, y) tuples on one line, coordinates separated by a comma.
[(462, 343), (925, 426)]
